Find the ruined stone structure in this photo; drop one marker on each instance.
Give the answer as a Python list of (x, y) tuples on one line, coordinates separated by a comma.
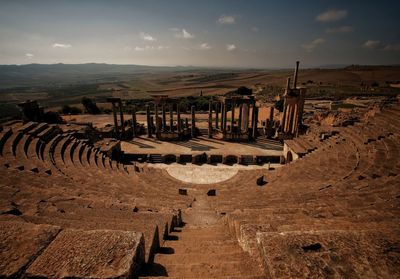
[(326, 205), (119, 127), (243, 128), (293, 107), (173, 128), (123, 129), (68, 209)]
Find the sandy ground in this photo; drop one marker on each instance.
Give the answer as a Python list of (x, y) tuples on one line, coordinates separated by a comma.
[(206, 174)]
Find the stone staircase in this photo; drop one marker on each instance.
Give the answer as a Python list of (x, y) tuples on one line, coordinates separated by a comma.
[(202, 248)]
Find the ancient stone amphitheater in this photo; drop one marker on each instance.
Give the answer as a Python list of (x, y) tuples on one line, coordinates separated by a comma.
[(67, 210)]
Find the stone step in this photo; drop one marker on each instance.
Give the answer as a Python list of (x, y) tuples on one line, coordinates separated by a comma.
[(201, 237), (196, 258), (207, 270), (210, 247), (215, 277)]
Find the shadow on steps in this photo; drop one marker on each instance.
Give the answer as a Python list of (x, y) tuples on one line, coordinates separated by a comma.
[(153, 269)]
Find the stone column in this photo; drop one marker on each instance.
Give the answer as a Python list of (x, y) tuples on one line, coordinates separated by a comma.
[(224, 118), (121, 114), (233, 116), (270, 121), (295, 120), (255, 121), (216, 115), (171, 118), (287, 118), (246, 114), (134, 123), (115, 119), (210, 119), (222, 115), (157, 120), (178, 121), (295, 75), (283, 121), (193, 132), (271, 114), (148, 121), (240, 118), (164, 121)]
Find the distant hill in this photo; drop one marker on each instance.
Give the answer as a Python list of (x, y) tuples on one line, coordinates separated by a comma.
[(48, 74)]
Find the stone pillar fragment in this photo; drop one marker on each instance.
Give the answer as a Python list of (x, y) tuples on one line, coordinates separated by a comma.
[(149, 124), (271, 114), (171, 118), (255, 122), (116, 129), (216, 115), (193, 130), (121, 115), (224, 118), (295, 75), (157, 120), (245, 121), (178, 121), (233, 116), (164, 121), (210, 119), (240, 118), (134, 121)]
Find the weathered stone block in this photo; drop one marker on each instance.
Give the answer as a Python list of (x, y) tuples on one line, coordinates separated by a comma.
[(20, 244), (91, 254)]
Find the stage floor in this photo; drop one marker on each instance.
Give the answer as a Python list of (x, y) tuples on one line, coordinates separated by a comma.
[(144, 145)]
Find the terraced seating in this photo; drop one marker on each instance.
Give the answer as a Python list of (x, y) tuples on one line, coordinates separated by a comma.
[(332, 213), (70, 184), (359, 167)]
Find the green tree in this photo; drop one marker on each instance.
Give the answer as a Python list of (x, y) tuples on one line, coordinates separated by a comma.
[(90, 106)]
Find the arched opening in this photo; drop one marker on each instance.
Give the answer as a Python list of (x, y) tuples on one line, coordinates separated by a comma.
[(289, 157), (169, 158)]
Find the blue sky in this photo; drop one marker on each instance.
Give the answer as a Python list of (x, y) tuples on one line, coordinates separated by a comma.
[(260, 34)]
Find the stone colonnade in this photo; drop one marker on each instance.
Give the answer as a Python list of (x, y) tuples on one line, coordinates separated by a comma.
[(116, 103), (238, 127), (164, 127), (293, 107)]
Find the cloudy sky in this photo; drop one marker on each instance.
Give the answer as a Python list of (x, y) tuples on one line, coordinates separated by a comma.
[(237, 33)]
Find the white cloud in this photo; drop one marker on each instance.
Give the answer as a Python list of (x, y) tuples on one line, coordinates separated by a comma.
[(331, 15), (230, 47), (255, 29), (29, 55), (145, 48), (311, 46), (127, 48), (205, 46), (392, 47), (339, 30), (182, 33), (147, 37), (372, 44), (57, 45), (162, 47), (226, 19)]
